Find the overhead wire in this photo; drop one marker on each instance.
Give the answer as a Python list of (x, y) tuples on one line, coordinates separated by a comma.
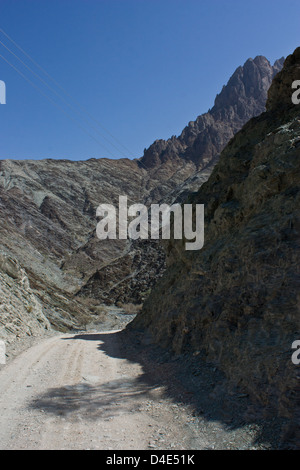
[(83, 110), (66, 93), (53, 102), (72, 107)]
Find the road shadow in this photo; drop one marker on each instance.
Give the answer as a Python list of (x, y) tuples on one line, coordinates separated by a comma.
[(95, 401), (186, 379)]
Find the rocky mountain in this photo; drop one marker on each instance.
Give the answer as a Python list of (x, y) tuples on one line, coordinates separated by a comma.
[(236, 301), (48, 207), (201, 141)]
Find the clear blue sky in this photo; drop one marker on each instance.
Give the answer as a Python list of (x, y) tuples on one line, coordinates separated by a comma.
[(141, 68)]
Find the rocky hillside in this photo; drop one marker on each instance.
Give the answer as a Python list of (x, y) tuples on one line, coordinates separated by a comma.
[(201, 141), (21, 313), (236, 301), (48, 207)]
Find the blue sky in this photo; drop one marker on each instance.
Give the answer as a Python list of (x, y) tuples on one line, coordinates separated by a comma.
[(141, 68)]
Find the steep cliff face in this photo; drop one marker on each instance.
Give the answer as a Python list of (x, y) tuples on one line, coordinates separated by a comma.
[(21, 313), (48, 207), (199, 145), (237, 300), (202, 140)]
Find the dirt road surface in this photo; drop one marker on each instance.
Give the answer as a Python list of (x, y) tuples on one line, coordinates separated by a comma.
[(78, 392)]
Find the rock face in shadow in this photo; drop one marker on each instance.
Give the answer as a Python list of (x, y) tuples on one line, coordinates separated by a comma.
[(237, 300), (48, 207), (281, 85)]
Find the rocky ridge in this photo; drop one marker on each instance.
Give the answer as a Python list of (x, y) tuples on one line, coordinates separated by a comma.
[(235, 303), (48, 207), (201, 141)]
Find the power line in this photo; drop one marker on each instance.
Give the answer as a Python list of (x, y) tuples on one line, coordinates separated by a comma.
[(55, 104), (64, 91), (62, 98), (57, 94), (70, 117)]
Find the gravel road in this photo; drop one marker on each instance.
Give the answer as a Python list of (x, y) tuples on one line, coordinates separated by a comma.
[(65, 393), (81, 392)]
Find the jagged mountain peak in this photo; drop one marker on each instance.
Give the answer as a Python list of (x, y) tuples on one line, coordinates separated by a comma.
[(235, 302), (251, 80), (202, 140)]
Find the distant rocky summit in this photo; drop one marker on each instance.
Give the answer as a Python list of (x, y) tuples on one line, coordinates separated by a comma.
[(237, 300), (48, 207), (201, 141)]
